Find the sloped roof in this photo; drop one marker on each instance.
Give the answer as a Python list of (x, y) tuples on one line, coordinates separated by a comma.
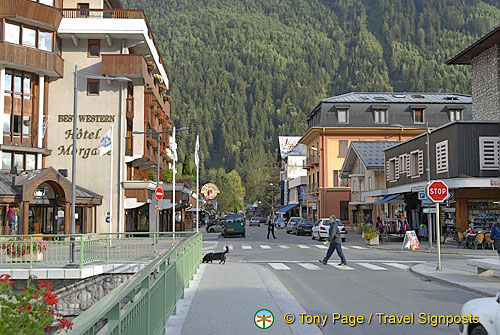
[(465, 56), (400, 97), (371, 153)]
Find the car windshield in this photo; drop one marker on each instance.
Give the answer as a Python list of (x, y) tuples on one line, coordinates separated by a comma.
[(308, 222)]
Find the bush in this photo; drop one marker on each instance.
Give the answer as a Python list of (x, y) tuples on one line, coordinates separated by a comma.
[(370, 231)]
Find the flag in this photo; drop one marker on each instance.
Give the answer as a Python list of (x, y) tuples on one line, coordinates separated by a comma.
[(197, 152), (105, 144), (174, 150)]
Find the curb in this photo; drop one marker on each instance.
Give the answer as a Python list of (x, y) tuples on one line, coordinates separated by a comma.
[(449, 282)]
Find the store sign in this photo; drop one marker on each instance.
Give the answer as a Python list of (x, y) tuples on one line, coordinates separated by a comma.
[(287, 144), (210, 191), (411, 240)]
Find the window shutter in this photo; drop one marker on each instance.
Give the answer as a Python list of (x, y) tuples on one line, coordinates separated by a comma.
[(408, 170), (420, 162), (442, 157), (387, 171), (489, 153), (396, 168)]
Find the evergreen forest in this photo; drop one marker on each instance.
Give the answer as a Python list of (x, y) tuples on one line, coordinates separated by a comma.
[(243, 72)]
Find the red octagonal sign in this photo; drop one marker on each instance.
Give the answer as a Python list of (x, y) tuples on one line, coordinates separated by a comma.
[(159, 193), (437, 191)]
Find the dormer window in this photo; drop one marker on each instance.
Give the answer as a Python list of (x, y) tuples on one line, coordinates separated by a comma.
[(342, 115), (418, 115), (456, 114), (380, 115)]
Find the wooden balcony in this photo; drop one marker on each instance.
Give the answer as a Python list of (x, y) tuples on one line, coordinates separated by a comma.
[(32, 12), (33, 58)]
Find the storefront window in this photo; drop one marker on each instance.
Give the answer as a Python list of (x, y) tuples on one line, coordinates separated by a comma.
[(143, 219), (482, 213)]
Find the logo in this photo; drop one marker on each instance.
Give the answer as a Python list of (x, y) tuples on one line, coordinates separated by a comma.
[(264, 318), (209, 191)]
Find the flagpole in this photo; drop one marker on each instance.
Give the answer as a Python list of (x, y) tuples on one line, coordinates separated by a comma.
[(173, 184), (197, 161), (111, 184)]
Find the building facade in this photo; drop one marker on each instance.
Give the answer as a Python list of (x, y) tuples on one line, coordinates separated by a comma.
[(337, 121)]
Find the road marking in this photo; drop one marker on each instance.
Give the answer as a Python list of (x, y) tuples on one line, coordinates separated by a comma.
[(285, 246), (279, 266), (344, 267), (358, 247), (265, 246), (246, 247), (302, 246), (309, 266), (321, 246), (397, 265), (372, 267)]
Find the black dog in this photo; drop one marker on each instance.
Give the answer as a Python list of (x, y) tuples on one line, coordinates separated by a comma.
[(220, 256)]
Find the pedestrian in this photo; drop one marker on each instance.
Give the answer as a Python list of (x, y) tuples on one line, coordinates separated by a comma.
[(495, 236), (270, 229), (335, 242)]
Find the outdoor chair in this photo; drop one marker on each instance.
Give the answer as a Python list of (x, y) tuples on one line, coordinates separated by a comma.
[(479, 241), (460, 238), (488, 243)]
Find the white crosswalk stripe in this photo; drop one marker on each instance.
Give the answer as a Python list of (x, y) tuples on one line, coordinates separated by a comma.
[(372, 267), (265, 246), (285, 246), (279, 266), (309, 266), (344, 267), (246, 247), (358, 247), (398, 265), (321, 246), (302, 246)]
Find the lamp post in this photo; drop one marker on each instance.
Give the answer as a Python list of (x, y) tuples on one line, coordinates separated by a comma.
[(272, 200), (158, 134)]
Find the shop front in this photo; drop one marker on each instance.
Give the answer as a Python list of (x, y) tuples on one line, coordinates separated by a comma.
[(480, 207)]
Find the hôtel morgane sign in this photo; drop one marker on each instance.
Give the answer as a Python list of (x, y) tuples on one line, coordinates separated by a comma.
[(83, 134)]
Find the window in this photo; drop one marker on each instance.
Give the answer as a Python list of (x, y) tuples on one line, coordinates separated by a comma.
[(442, 157), (30, 162), (83, 13), (489, 153), (342, 115), (370, 184), (402, 163), (94, 49), (45, 41), (19, 103), (344, 210), (6, 160), (335, 178), (418, 115), (380, 115), (416, 163), (344, 182), (456, 114), (391, 170), (45, 2), (92, 86), (353, 183), (361, 185), (29, 37), (21, 160), (361, 168), (12, 33), (343, 146)]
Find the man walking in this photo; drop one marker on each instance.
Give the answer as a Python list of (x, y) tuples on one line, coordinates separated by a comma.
[(270, 229), (495, 236), (334, 238)]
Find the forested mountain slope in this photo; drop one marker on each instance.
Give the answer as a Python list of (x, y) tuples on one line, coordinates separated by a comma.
[(244, 72)]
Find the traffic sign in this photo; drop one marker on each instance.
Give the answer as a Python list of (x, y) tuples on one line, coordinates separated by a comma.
[(421, 196), (437, 191), (159, 193)]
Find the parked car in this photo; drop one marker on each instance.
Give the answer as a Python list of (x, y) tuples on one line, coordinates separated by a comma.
[(303, 227), (321, 229), (255, 221), (215, 226), (234, 224), (291, 224), (488, 312)]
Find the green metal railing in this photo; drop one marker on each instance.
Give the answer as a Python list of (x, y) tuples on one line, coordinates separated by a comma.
[(143, 304), (25, 251)]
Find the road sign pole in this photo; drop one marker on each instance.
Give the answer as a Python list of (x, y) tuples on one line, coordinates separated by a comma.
[(438, 236)]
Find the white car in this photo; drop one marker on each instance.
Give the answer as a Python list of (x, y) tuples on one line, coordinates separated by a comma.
[(488, 311), (321, 229)]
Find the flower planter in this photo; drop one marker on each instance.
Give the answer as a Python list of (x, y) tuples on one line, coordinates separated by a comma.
[(373, 241), (37, 257)]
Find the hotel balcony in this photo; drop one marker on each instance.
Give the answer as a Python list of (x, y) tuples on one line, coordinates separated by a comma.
[(33, 59), (32, 12), (311, 161)]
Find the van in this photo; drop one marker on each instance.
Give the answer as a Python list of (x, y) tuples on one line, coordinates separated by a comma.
[(234, 224)]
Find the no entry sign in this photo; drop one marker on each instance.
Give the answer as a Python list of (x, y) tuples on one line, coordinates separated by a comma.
[(437, 191), (159, 193)]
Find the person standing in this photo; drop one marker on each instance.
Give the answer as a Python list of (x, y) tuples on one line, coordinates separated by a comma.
[(495, 236), (335, 242), (270, 229)]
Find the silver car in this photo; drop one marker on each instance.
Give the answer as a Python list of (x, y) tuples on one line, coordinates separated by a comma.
[(321, 229)]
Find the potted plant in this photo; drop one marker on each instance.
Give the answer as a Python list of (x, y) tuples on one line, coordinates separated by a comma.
[(163, 89), (371, 234), (158, 78), (20, 251)]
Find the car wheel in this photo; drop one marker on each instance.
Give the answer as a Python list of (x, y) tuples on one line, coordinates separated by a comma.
[(243, 235), (479, 330), (320, 238), (211, 230), (343, 240), (312, 236)]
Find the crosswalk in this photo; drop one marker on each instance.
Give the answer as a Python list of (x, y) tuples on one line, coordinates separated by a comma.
[(286, 246), (281, 266)]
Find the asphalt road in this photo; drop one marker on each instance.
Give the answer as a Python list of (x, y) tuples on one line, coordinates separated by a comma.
[(375, 281)]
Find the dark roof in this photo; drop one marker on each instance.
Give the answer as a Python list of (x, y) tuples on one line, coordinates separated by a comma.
[(401, 97), (6, 187), (371, 153), (465, 56)]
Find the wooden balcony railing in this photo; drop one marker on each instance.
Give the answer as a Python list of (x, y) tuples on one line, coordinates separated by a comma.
[(33, 58), (32, 12)]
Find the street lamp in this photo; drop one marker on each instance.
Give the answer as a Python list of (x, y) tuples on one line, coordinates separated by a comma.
[(272, 200), (158, 133)]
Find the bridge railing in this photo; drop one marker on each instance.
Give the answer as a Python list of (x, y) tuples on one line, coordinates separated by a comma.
[(27, 251), (143, 304)]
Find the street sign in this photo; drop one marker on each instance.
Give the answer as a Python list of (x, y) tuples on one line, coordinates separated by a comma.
[(437, 191), (108, 219), (421, 196), (429, 210), (159, 193)]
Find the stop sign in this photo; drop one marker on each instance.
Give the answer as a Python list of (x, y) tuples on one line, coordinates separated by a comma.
[(437, 191), (159, 193)]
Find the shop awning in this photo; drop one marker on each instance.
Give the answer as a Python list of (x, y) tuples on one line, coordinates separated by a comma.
[(388, 198), (131, 203), (285, 209)]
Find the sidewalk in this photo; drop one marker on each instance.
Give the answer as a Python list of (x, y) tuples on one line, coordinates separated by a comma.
[(230, 295)]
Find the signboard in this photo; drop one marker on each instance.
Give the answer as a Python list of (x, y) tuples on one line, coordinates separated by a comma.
[(422, 196), (159, 193), (287, 143), (437, 191), (209, 191), (108, 217), (411, 240), (429, 210)]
